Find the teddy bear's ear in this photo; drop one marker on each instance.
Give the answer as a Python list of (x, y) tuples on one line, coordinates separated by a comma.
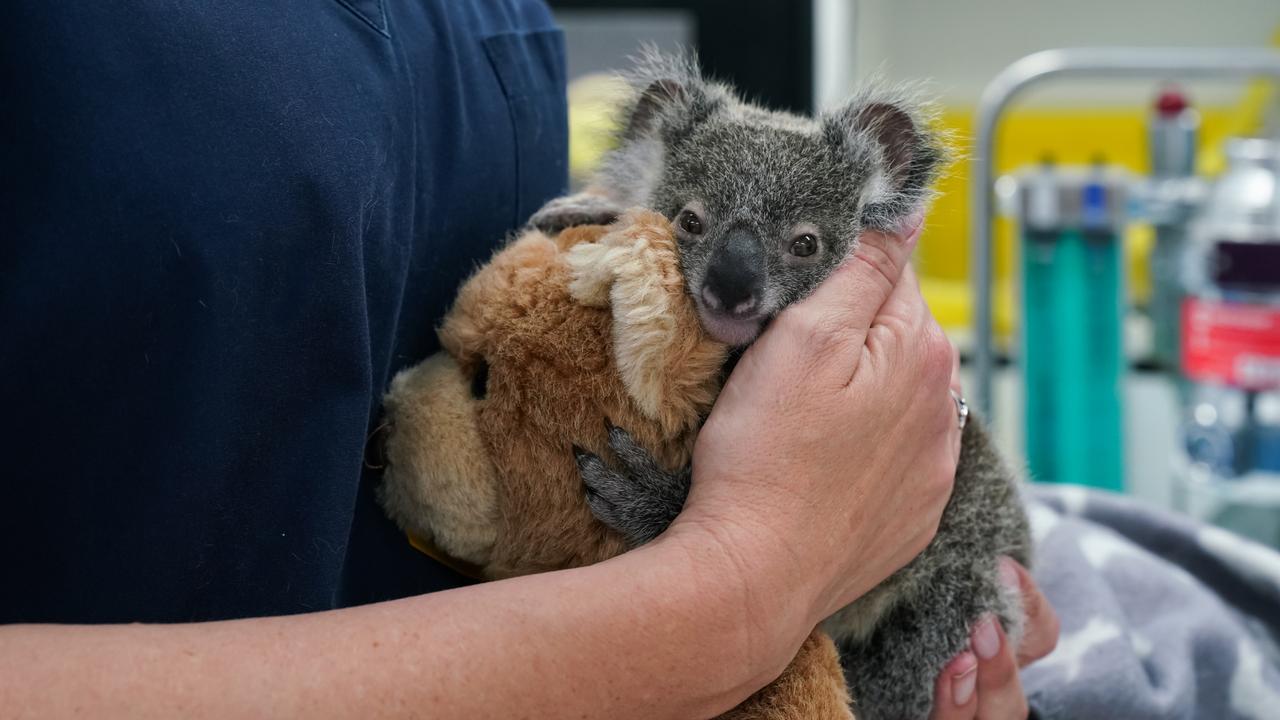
[(592, 274), (667, 363), (624, 254)]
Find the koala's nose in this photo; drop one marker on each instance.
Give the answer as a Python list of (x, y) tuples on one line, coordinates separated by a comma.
[(734, 305), (735, 276)]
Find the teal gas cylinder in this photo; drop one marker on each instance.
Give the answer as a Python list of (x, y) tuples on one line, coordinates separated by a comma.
[(1072, 310)]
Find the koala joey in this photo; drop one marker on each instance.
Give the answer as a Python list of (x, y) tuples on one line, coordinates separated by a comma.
[(766, 205)]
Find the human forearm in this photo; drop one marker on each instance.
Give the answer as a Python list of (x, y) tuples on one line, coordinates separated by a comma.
[(656, 633)]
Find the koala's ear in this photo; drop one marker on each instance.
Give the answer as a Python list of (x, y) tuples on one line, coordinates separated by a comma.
[(670, 97), (897, 153)]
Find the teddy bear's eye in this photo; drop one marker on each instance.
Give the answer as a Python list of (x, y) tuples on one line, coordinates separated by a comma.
[(690, 222), (804, 245), (480, 380)]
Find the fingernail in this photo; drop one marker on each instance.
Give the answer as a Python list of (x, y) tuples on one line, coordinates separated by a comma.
[(1009, 575), (909, 225), (986, 642), (963, 685)]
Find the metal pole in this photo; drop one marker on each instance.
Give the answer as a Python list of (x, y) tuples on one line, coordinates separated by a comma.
[(1117, 62)]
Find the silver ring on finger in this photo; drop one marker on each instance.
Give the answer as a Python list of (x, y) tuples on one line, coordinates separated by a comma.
[(962, 408)]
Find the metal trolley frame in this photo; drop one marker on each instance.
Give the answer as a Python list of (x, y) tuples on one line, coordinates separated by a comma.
[(1117, 62)]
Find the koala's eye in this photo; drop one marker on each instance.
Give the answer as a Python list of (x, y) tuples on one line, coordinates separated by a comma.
[(690, 222), (804, 245)]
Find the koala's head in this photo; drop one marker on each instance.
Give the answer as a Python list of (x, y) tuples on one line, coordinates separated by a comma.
[(766, 204)]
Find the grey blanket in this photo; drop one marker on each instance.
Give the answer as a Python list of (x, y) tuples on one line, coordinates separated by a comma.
[(1161, 617)]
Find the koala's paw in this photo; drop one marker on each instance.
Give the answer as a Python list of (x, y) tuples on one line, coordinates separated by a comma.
[(641, 499), (606, 489), (573, 210)]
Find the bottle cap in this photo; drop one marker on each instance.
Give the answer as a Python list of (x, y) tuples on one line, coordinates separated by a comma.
[(1171, 102)]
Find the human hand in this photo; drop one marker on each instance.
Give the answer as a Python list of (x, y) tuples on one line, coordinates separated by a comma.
[(982, 682), (831, 451)]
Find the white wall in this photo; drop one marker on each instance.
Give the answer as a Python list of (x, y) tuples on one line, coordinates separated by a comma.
[(961, 44)]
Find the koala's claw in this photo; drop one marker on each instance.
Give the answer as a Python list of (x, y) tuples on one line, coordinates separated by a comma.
[(606, 489), (641, 499), (636, 461), (591, 468)]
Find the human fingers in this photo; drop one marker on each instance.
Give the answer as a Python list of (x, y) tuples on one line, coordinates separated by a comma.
[(906, 341), (957, 396), (908, 365), (1040, 632), (905, 320), (955, 371), (1000, 695), (954, 692), (885, 254), (821, 330)]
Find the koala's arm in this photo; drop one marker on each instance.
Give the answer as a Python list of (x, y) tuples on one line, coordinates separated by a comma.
[(640, 499), (584, 208)]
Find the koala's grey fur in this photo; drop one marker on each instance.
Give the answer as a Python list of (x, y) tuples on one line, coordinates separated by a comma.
[(639, 502), (756, 178)]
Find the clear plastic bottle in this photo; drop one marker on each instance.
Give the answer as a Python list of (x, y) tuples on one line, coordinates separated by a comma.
[(1230, 340), (1172, 133)]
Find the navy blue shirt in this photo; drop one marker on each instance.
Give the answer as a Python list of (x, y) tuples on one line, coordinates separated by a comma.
[(225, 225)]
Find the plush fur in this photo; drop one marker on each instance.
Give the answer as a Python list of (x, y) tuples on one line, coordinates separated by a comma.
[(547, 343), (744, 185), (757, 179), (561, 334), (896, 638), (442, 486)]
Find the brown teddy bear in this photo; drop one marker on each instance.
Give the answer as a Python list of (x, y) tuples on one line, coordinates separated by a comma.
[(553, 339)]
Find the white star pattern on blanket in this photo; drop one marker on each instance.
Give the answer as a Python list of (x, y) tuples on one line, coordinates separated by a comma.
[(1250, 695), (1163, 619), (1258, 563), (1102, 546), (1072, 648)]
